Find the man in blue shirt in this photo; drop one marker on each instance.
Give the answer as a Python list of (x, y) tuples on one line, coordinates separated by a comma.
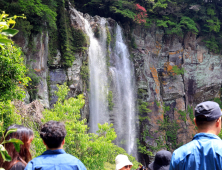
[(54, 158), (204, 152)]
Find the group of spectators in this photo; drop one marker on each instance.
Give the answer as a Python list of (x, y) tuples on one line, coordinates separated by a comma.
[(204, 152)]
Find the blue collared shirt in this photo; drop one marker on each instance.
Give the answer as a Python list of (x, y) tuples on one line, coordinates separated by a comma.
[(55, 160), (204, 152)]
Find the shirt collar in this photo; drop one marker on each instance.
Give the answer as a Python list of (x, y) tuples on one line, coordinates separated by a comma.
[(58, 151), (206, 135)]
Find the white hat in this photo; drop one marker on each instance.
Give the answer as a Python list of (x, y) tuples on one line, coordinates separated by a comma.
[(121, 161)]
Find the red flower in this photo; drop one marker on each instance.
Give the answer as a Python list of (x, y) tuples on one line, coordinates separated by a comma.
[(139, 7), (142, 15)]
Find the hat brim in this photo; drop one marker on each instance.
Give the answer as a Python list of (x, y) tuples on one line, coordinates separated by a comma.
[(153, 166), (121, 165)]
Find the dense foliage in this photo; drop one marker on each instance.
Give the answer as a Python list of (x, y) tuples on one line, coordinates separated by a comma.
[(203, 18), (13, 69), (53, 16)]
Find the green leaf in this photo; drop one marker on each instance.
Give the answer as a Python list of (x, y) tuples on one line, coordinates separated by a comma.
[(13, 140), (11, 130), (6, 156), (17, 146), (10, 32), (16, 143), (5, 41)]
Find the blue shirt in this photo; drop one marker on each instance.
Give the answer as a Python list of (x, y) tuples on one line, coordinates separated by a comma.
[(204, 152), (55, 160)]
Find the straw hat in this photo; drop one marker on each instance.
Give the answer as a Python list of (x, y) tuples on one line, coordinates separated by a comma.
[(121, 161)]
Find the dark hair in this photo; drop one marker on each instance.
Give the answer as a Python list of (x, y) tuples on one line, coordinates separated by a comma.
[(53, 133), (24, 156), (203, 122)]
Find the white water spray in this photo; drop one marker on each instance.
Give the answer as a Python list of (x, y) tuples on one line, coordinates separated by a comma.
[(98, 75), (124, 89)]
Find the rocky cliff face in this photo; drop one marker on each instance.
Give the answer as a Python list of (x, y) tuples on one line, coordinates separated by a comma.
[(171, 95), (173, 74)]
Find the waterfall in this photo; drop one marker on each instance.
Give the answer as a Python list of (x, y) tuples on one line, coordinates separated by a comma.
[(98, 80), (124, 89), (123, 86), (98, 77)]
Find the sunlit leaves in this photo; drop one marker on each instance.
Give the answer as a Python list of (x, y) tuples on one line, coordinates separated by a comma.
[(9, 32), (12, 73)]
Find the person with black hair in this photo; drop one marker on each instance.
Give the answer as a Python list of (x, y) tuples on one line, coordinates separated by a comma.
[(53, 135), (205, 150)]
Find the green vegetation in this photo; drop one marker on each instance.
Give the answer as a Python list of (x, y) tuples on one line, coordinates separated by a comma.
[(183, 115), (108, 41), (71, 40), (170, 128), (218, 100), (37, 12), (165, 108), (84, 72), (178, 70), (143, 107), (190, 112), (32, 85), (13, 70), (51, 15), (110, 100), (202, 18)]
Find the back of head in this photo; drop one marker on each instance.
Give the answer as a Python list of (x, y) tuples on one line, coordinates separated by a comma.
[(161, 161), (25, 135), (206, 113), (53, 133)]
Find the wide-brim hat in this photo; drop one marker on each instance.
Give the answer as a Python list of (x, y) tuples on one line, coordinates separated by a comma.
[(161, 161), (121, 161)]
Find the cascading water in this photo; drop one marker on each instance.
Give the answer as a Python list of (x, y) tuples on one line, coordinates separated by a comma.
[(98, 78), (124, 90), (123, 87), (98, 102)]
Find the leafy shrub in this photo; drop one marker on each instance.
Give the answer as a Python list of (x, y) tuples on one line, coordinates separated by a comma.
[(13, 69)]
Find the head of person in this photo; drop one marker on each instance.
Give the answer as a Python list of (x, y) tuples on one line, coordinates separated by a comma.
[(122, 162), (161, 161), (208, 117), (53, 134), (26, 136)]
